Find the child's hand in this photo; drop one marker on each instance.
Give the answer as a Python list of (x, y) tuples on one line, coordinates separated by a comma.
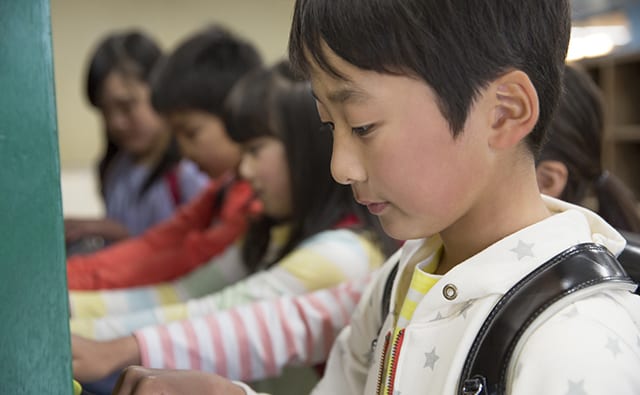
[(76, 229), (136, 380), (94, 360)]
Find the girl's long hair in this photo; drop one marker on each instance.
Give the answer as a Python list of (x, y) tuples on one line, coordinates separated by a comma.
[(133, 54), (274, 103)]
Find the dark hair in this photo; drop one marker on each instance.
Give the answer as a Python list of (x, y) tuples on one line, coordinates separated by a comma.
[(199, 74), (456, 46), (133, 54), (273, 103), (574, 138)]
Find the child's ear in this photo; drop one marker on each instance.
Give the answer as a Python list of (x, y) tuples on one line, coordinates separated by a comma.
[(515, 109), (552, 176)]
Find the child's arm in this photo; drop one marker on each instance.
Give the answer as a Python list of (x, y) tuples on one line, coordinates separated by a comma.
[(250, 342), (254, 341), (78, 228), (325, 261), (215, 275), (168, 250)]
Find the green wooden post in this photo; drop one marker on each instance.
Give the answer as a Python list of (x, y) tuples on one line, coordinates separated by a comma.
[(34, 331)]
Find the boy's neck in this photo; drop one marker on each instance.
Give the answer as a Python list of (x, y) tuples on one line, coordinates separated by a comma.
[(511, 204)]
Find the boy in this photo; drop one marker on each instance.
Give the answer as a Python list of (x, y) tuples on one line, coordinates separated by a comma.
[(454, 96), (188, 90)]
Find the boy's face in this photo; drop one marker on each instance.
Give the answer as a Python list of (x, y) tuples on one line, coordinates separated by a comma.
[(203, 139), (395, 149)]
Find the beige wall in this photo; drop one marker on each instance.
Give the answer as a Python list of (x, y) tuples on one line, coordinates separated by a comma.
[(78, 24)]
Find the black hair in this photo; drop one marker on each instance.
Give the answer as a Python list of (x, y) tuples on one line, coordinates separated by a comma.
[(133, 54), (199, 74), (456, 46), (575, 139), (273, 103)]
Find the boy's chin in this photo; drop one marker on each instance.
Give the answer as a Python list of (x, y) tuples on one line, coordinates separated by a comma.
[(393, 229), (398, 229)]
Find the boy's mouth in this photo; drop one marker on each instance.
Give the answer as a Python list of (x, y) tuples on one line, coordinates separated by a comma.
[(375, 208)]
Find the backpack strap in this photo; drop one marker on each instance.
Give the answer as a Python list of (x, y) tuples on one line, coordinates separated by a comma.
[(580, 266)]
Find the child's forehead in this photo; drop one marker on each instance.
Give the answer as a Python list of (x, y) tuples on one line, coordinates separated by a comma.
[(342, 83), (336, 80)]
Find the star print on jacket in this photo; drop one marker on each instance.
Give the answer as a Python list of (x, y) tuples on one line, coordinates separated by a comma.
[(523, 250), (430, 359)]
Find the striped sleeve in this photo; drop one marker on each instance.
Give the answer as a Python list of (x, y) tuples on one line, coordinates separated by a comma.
[(215, 275), (324, 260), (254, 341)]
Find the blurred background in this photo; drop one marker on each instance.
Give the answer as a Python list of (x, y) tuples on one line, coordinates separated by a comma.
[(77, 27), (605, 39)]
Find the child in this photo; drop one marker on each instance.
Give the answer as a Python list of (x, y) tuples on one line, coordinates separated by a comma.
[(311, 235), (574, 140), (437, 109), (189, 89), (569, 165), (142, 179)]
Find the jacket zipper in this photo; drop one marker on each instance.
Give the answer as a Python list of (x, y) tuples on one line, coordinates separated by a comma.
[(395, 352), (382, 363)]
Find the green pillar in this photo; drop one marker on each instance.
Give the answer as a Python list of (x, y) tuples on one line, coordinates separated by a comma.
[(34, 331)]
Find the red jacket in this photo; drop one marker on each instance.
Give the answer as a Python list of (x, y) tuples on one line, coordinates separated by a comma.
[(198, 231)]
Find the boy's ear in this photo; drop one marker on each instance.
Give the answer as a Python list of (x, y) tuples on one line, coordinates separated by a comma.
[(515, 109), (552, 176)]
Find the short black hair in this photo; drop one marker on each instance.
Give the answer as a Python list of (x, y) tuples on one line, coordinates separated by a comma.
[(274, 103), (199, 74), (456, 46)]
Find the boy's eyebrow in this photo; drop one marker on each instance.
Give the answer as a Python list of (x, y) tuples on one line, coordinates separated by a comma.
[(343, 95)]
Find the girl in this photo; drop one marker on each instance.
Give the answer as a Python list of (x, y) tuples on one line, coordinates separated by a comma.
[(141, 176), (569, 166), (312, 235)]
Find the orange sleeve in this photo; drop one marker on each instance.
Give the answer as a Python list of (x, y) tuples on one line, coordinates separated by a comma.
[(192, 236)]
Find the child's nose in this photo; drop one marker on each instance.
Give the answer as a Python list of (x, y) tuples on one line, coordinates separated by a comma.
[(346, 163)]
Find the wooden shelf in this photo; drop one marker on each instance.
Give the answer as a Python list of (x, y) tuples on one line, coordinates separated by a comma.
[(626, 133)]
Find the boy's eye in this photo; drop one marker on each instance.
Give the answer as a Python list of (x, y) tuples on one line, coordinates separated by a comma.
[(362, 130)]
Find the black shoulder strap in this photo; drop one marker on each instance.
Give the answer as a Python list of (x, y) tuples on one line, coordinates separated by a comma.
[(581, 266)]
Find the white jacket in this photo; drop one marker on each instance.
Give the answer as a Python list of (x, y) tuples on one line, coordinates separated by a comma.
[(590, 346)]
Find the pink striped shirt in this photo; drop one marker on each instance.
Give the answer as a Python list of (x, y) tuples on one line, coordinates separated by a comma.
[(254, 341)]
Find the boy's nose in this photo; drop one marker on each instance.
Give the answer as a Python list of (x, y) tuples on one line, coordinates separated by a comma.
[(346, 163)]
